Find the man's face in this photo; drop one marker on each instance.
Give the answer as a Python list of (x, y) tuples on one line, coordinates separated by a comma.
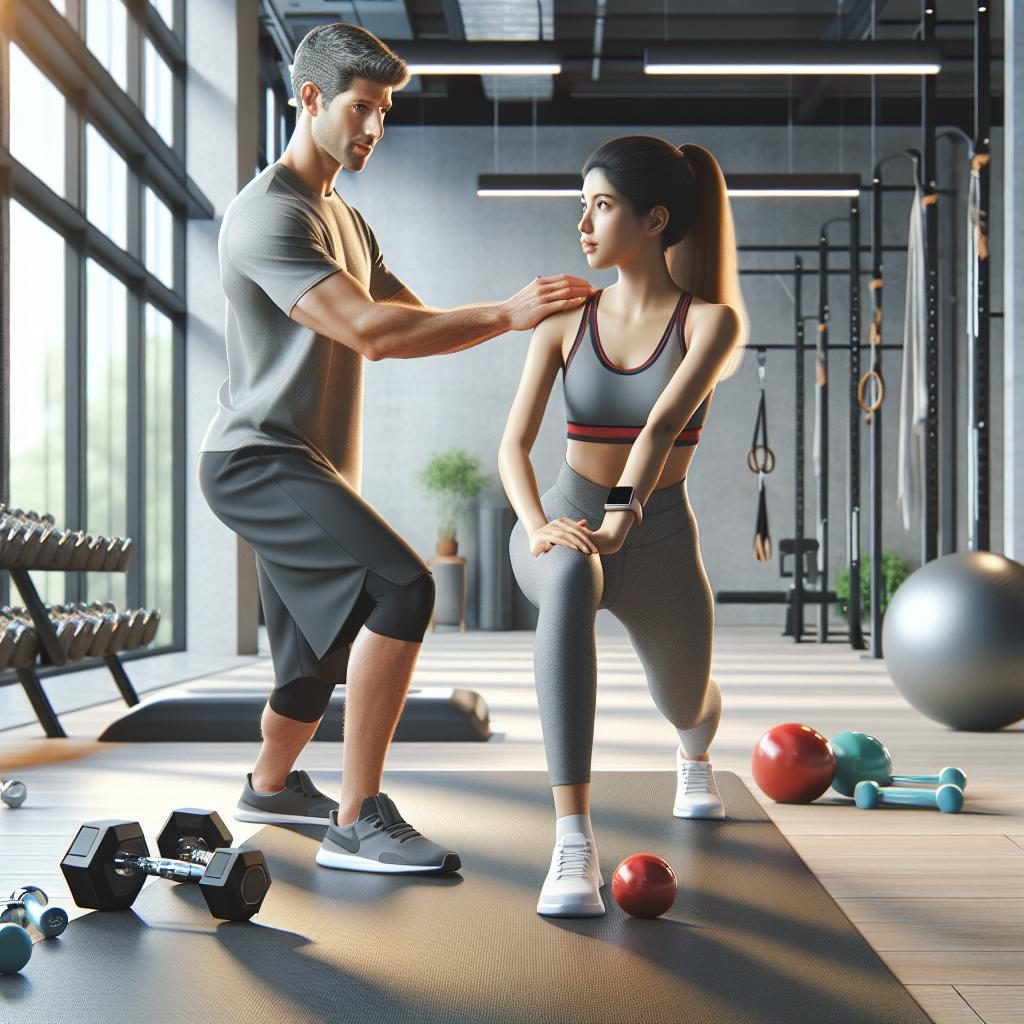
[(350, 126)]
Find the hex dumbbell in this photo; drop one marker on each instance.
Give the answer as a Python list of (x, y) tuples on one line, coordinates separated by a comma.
[(108, 862)]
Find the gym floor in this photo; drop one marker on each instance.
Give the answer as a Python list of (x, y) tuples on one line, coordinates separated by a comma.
[(939, 897)]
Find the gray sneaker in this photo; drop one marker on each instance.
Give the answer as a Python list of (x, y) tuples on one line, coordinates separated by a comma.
[(381, 840), (299, 803)]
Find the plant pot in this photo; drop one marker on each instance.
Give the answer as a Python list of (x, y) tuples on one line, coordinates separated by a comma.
[(447, 547)]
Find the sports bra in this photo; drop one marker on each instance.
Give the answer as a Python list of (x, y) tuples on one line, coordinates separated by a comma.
[(609, 404)]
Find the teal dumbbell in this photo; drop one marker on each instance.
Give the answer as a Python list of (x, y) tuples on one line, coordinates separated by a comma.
[(861, 757), (15, 948), (948, 798)]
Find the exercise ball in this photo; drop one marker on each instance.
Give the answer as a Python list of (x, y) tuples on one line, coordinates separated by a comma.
[(953, 639)]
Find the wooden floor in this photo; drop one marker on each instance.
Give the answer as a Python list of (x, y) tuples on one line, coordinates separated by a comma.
[(940, 897)]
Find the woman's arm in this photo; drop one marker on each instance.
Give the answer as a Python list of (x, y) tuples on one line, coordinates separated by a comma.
[(543, 361), (714, 333)]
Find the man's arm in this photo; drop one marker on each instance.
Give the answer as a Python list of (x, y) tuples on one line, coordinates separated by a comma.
[(405, 297), (339, 307)]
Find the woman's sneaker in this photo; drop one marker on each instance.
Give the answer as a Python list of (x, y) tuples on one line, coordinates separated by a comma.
[(380, 840), (299, 803), (573, 885), (696, 793)]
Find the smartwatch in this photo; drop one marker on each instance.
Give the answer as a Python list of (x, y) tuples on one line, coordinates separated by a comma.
[(624, 499)]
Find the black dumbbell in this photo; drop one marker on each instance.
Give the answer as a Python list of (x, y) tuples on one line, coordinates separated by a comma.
[(30, 906), (151, 625), (127, 555), (82, 553), (97, 554), (74, 556), (108, 862), (34, 538), (13, 792), (19, 644), (14, 540)]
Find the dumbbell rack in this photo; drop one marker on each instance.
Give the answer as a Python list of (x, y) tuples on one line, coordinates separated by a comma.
[(51, 651)]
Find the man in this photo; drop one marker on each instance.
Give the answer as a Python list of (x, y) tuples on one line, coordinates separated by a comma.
[(309, 297)]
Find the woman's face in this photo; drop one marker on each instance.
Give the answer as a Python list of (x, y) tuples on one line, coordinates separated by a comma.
[(610, 230)]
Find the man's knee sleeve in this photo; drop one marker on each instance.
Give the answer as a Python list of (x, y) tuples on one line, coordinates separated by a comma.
[(402, 613), (304, 699)]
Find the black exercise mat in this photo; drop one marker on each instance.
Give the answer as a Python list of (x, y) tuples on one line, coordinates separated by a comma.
[(753, 936), (226, 712)]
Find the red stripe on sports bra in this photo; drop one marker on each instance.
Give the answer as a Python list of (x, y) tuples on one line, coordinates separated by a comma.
[(581, 430)]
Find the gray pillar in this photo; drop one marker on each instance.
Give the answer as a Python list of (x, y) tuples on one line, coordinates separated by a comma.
[(222, 93), (1013, 286)]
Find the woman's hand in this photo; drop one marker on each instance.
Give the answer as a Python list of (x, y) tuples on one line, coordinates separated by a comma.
[(570, 533), (607, 541)]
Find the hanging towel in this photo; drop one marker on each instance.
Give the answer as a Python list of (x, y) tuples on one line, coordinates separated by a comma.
[(914, 385)]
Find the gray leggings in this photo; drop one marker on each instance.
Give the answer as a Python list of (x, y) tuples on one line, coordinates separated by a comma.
[(655, 585)]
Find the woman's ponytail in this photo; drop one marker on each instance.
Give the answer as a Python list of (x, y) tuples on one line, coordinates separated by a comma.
[(705, 262)]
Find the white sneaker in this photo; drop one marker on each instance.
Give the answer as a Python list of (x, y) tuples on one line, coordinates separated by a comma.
[(696, 793), (572, 887)]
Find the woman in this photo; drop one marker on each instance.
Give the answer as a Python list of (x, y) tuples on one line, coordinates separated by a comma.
[(616, 530)]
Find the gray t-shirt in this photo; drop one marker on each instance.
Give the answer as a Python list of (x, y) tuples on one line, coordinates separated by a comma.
[(287, 385)]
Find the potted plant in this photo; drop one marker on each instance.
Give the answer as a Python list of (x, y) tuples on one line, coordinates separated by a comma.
[(895, 569), (454, 479)]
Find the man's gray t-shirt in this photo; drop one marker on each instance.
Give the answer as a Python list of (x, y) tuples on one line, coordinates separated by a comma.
[(287, 385)]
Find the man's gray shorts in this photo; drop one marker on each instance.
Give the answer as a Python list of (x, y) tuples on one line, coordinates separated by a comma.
[(327, 561)]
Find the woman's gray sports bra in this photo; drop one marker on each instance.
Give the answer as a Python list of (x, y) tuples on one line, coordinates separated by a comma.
[(609, 404)]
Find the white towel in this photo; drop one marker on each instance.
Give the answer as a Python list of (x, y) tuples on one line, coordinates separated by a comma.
[(913, 385)]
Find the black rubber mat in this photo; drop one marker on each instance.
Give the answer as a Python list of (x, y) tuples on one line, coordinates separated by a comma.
[(230, 713), (753, 937)]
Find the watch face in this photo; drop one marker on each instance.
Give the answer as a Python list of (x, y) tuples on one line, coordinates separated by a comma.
[(620, 496)]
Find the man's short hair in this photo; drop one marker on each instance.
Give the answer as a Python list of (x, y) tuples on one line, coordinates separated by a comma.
[(331, 56)]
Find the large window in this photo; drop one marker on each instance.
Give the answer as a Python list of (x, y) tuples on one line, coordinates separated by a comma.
[(106, 178), (37, 121), (159, 239), (159, 456), (106, 419), (159, 94), (97, 310), (106, 34), (37, 400)]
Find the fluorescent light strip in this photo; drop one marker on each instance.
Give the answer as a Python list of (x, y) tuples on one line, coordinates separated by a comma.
[(528, 193), (794, 193), (740, 193), (485, 69), (791, 69)]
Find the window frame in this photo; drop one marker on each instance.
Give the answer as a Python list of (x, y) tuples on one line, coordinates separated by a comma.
[(55, 44)]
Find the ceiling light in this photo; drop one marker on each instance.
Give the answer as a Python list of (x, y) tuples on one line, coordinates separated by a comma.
[(746, 57)]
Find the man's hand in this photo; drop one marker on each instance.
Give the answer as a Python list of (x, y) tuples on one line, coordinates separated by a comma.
[(544, 296)]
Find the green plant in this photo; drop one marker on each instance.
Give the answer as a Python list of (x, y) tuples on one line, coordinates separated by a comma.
[(454, 479), (895, 569)]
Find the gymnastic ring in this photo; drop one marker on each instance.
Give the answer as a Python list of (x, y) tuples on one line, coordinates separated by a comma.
[(870, 408), (767, 462), (762, 548)]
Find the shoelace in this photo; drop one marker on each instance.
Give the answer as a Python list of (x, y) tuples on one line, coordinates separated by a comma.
[(696, 776), (573, 857), (400, 830)]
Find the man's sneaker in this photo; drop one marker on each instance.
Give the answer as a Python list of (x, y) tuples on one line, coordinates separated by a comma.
[(573, 885), (299, 803), (696, 793), (382, 840)]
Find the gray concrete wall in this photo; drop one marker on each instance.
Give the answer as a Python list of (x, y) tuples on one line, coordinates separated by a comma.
[(221, 147), (418, 193)]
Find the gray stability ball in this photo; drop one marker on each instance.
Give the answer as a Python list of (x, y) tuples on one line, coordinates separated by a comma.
[(953, 638)]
